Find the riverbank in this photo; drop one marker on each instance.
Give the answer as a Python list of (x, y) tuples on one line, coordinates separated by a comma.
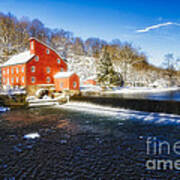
[(78, 145), (136, 90)]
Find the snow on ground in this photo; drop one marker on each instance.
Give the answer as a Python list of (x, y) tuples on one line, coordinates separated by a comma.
[(38, 104), (89, 87), (122, 114), (12, 92), (32, 136)]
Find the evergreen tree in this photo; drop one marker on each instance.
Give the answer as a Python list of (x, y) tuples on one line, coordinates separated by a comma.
[(106, 76)]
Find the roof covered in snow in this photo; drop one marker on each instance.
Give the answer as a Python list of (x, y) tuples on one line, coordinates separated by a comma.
[(63, 74), (19, 58), (94, 77)]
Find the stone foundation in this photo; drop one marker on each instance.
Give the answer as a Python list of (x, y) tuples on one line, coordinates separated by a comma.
[(32, 89)]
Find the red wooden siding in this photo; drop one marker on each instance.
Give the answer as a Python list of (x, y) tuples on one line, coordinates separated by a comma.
[(90, 81), (14, 75), (50, 60), (67, 83), (45, 61)]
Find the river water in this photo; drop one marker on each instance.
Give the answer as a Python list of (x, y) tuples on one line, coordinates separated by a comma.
[(171, 96), (161, 96), (84, 141)]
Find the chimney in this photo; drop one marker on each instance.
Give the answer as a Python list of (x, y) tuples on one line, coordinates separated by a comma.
[(32, 42)]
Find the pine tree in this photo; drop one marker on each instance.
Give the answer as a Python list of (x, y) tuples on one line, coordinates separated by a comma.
[(106, 76)]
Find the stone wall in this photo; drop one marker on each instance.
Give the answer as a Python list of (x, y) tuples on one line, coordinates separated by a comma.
[(32, 89)]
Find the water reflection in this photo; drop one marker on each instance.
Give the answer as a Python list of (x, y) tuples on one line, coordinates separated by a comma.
[(171, 96)]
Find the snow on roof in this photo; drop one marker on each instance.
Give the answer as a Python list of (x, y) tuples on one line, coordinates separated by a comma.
[(94, 77), (19, 58), (63, 74)]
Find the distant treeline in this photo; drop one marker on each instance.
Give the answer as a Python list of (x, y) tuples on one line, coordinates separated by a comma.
[(14, 35)]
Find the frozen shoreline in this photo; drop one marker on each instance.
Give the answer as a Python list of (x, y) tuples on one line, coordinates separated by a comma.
[(121, 113)]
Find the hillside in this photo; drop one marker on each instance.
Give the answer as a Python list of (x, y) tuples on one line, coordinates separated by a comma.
[(82, 56)]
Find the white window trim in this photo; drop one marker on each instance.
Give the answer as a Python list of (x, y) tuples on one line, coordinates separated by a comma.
[(48, 69), (61, 84), (47, 51), (17, 80), (74, 84), (58, 61), (37, 58), (17, 70), (33, 69), (12, 80), (22, 79), (22, 69), (12, 70), (48, 79), (33, 81)]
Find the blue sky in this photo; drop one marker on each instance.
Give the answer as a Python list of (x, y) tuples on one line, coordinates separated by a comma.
[(152, 26)]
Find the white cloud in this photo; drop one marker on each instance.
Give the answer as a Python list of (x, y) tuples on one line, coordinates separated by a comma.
[(156, 27)]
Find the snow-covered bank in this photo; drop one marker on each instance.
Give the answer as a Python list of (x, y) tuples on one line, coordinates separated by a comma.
[(122, 114), (142, 90)]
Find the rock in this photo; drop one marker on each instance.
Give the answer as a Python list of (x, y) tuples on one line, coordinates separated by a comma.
[(120, 124), (32, 136), (46, 97), (63, 141), (29, 147), (67, 136), (118, 148), (29, 98), (17, 149)]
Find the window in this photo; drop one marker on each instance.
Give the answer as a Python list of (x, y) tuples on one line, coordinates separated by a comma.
[(58, 61), (12, 80), (12, 70), (48, 69), (17, 70), (37, 58), (61, 85), (22, 69), (47, 51), (4, 80), (22, 79), (74, 84), (33, 69), (48, 79), (32, 45), (7, 71), (62, 70), (33, 79), (17, 79), (4, 72)]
